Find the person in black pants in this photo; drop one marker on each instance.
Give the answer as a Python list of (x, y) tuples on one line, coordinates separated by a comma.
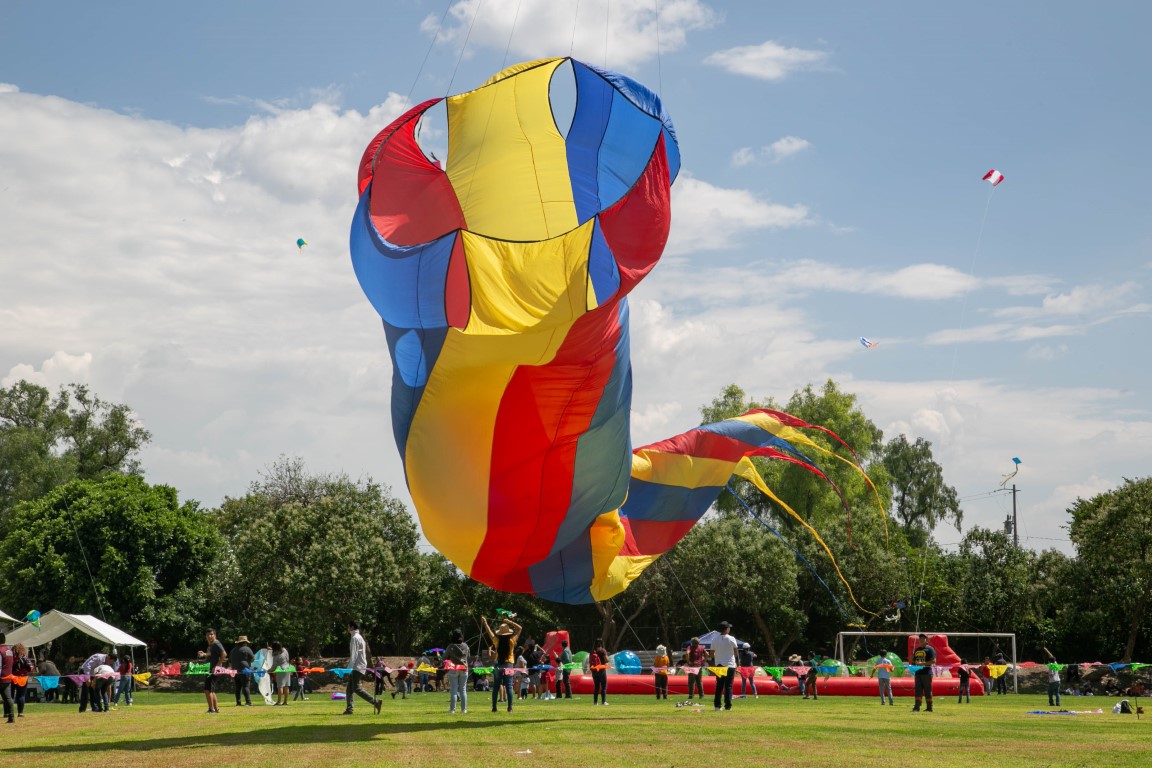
[(724, 655), (923, 657), (598, 666), (564, 673)]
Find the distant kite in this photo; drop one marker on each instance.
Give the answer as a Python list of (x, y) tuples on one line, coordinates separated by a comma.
[(1015, 470), (300, 243), (867, 343), (993, 177), (33, 618)]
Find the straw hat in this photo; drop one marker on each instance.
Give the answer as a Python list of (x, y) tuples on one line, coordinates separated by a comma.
[(242, 639)]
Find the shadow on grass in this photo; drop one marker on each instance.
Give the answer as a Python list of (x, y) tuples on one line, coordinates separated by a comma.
[(279, 736)]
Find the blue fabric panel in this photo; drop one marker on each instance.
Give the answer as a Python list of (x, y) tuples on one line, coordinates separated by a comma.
[(566, 576), (602, 269), (668, 503), (647, 100), (414, 352), (405, 284), (628, 145), (753, 435), (593, 107)]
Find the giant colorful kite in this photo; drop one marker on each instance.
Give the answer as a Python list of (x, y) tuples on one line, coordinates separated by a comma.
[(502, 281)]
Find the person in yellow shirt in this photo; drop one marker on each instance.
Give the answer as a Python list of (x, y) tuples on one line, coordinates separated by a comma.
[(660, 666)]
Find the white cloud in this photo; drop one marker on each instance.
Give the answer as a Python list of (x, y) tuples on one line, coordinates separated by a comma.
[(767, 61), (1081, 300), (918, 281), (775, 152), (62, 368), (706, 217), (540, 28)]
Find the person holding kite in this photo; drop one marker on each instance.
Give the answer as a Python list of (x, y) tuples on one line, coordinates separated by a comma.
[(598, 666), (696, 658), (724, 655), (503, 640)]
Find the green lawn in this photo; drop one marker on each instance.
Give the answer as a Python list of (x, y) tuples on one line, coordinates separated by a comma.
[(172, 731)]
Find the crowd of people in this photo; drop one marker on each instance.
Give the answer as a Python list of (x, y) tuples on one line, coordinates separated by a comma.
[(507, 665)]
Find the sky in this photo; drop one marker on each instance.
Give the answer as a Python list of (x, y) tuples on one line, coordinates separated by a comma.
[(158, 163)]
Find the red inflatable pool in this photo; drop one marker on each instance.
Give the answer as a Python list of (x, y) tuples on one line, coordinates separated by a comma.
[(833, 686)]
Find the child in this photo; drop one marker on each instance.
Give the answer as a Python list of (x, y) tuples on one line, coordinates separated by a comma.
[(660, 666), (961, 671)]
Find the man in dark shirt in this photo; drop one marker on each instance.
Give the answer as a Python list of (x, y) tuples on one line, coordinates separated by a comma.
[(216, 656), (923, 657), (241, 659)]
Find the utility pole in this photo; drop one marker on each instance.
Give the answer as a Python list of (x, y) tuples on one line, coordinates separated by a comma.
[(1015, 520)]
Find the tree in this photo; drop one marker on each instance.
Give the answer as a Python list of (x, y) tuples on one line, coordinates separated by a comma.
[(1112, 533), (311, 552), (46, 441), (114, 547), (920, 497)]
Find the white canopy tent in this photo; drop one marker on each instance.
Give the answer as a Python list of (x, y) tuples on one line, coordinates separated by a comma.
[(6, 617), (56, 623)]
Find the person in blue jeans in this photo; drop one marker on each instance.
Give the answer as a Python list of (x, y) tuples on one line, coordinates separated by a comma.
[(962, 671), (503, 640), (883, 673)]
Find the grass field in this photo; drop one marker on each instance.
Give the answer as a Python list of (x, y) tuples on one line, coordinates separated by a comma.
[(173, 731)]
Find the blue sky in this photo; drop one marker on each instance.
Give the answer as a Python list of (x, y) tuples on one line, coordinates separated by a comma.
[(159, 161)]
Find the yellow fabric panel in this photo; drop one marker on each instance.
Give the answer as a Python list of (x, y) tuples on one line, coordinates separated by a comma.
[(523, 66), (622, 572), (507, 161), (448, 469), (678, 469), (522, 288), (606, 536)]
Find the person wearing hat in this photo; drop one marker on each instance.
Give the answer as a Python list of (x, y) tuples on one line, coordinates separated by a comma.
[(503, 640), (695, 658), (724, 655), (241, 657), (747, 671), (660, 666)]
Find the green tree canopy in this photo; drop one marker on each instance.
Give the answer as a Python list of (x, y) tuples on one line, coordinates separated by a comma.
[(46, 441), (308, 553), (920, 497), (148, 555), (1112, 533)]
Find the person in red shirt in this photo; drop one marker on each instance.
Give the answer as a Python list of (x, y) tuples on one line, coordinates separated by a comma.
[(125, 686), (696, 657), (6, 659)]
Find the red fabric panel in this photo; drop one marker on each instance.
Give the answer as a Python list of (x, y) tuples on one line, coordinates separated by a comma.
[(636, 228), (654, 537), (458, 289), (414, 201), (367, 161), (544, 411), (703, 444)]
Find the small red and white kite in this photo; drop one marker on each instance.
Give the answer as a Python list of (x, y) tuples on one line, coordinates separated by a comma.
[(993, 177)]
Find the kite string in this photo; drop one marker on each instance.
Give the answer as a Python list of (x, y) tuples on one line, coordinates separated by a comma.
[(435, 38), (91, 580), (685, 590), (607, 24), (463, 47), (511, 33), (575, 18), (971, 274), (659, 63), (795, 551)]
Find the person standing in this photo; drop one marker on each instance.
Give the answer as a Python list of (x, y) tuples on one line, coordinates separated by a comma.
[(358, 661), (810, 676), (7, 658), (281, 673), (883, 672), (241, 659), (747, 671), (724, 655), (124, 686), (696, 658), (962, 672), (457, 654), (22, 667), (598, 666), (102, 679), (660, 670), (216, 656), (1053, 680), (923, 658), (564, 673), (986, 676), (1001, 681), (503, 641)]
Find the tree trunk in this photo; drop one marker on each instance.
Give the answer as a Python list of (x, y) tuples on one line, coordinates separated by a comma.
[(607, 624), (1136, 620), (767, 634)]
